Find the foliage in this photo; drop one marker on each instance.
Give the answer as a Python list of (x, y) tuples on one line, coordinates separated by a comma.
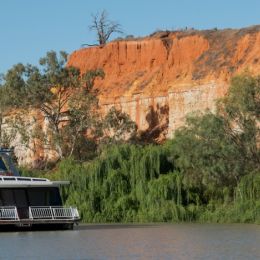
[(64, 96), (70, 111), (117, 127), (241, 107), (121, 184), (130, 183)]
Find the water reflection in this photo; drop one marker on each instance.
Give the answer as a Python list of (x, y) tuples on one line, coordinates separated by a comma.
[(177, 241)]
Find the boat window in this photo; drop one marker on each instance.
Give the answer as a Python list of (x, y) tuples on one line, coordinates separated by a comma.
[(3, 168), (30, 197), (20, 198), (8, 197), (37, 197), (1, 200), (44, 197), (24, 179), (39, 179), (55, 199)]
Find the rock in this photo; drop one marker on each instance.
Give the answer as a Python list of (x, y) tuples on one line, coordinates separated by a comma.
[(159, 79)]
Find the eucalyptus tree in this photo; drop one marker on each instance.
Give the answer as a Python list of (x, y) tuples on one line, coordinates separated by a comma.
[(118, 127), (241, 107), (63, 95), (216, 150), (69, 101)]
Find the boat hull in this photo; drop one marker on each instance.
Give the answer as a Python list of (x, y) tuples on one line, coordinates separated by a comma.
[(35, 226)]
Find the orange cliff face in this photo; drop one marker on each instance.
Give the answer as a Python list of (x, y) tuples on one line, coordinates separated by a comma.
[(159, 79)]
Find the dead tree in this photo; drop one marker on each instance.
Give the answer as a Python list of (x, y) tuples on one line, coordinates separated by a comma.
[(104, 27)]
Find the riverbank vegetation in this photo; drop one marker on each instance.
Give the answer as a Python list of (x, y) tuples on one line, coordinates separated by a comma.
[(139, 184), (209, 171)]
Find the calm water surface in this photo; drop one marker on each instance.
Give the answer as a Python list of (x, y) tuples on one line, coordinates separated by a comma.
[(177, 241)]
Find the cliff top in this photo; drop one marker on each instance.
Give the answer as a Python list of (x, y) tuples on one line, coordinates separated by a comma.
[(170, 61)]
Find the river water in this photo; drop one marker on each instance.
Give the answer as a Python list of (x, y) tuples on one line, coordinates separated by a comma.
[(167, 241)]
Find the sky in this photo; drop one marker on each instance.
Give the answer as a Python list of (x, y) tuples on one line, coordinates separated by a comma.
[(30, 28)]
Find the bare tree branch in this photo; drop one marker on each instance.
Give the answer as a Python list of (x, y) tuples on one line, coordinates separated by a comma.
[(104, 27)]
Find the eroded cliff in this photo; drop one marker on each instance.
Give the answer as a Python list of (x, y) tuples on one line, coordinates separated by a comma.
[(159, 79)]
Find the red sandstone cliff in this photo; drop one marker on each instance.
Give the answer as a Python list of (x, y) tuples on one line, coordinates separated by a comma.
[(157, 80)]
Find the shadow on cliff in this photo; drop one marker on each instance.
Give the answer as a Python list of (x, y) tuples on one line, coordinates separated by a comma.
[(157, 119)]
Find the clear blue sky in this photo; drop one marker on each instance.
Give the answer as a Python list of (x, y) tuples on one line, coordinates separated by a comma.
[(30, 28)]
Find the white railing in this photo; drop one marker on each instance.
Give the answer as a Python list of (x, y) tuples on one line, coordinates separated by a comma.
[(8, 213), (53, 213)]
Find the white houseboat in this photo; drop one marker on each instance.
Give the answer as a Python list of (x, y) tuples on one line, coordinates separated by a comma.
[(31, 202)]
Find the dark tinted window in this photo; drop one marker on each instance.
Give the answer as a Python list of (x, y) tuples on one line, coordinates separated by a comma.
[(30, 197), (20, 198), (1, 200), (55, 199), (44, 197), (8, 197), (2, 166), (37, 197)]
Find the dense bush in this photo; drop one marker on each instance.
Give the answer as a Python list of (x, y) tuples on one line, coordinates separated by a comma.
[(131, 183)]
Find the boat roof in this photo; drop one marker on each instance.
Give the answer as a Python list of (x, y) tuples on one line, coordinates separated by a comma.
[(10, 177), (25, 182)]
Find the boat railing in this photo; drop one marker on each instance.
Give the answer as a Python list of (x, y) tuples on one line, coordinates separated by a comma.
[(52, 212), (8, 213)]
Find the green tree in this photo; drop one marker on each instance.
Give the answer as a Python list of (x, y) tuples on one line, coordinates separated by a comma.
[(67, 92), (118, 127), (80, 130), (14, 85), (241, 107), (216, 150), (69, 107), (206, 156), (65, 97)]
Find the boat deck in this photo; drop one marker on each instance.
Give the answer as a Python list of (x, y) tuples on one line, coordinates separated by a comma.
[(38, 215)]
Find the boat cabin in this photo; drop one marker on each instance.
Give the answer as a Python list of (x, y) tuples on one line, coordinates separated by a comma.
[(26, 201)]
